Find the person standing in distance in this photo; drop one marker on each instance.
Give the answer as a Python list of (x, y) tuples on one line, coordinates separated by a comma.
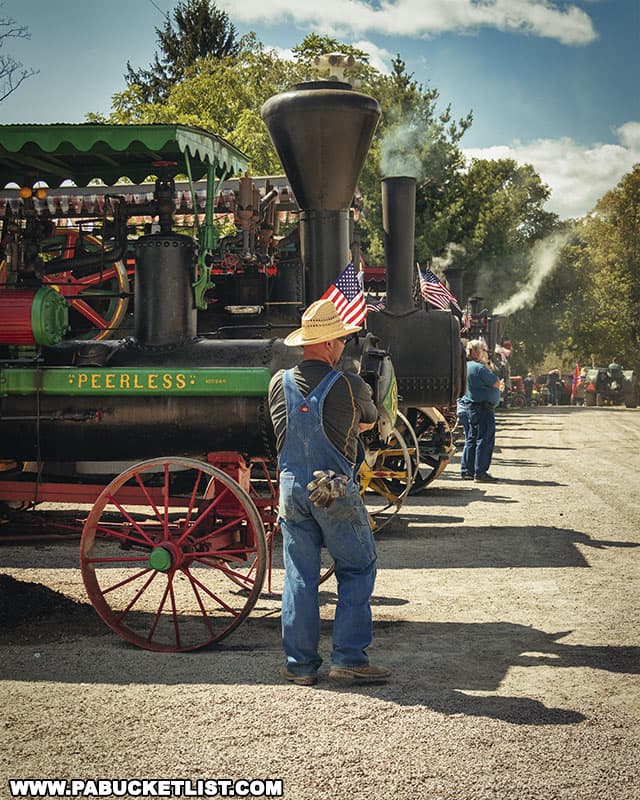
[(476, 413), (528, 387), (317, 413)]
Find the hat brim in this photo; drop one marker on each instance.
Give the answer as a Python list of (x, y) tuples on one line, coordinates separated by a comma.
[(297, 338)]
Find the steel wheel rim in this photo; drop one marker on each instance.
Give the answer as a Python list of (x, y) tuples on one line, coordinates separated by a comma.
[(166, 578), (383, 485), (429, 467)]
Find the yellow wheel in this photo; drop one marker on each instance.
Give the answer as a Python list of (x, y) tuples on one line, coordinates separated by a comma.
[(386, 476)]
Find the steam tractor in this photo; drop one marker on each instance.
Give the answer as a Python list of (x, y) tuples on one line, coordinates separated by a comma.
[(159, 435)]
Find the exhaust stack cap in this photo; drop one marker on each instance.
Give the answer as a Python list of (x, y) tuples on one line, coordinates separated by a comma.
[(322, 131)]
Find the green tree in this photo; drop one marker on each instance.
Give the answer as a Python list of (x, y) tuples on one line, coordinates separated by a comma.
[(500, 217), (222, 95), (198, 30), (608, 263)]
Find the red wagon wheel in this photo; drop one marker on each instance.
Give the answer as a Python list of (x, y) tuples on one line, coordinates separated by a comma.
[(164, 551)]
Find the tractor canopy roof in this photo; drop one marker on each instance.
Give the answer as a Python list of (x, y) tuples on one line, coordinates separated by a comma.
[(85, 152)]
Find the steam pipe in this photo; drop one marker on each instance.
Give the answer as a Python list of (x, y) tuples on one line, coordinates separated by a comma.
[(399, 222)]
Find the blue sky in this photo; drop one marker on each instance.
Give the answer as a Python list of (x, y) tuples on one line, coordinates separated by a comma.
[(549, 82)]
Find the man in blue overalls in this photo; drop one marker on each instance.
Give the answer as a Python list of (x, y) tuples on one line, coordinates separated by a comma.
[(318, 413)]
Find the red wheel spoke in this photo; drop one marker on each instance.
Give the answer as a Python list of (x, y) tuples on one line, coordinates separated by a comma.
[(82, 307), (125, 581), (238, 553), (130, 519), (158, 614), (96, 278), (199, 599), (245, 578), (192, 501), (207, 510), (231, 524), (174, 612), (138, 594), (215, 597), (117, 560), (123, 536), (166, 495), (148, 497)]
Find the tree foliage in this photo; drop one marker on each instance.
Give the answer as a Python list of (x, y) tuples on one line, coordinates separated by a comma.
[(12, 72), (198, 30), (609, 264), (588, 307), (500, 217)]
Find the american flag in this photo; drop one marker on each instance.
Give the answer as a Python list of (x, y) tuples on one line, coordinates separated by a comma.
[(375, 303), (347, 296), (434, 291)]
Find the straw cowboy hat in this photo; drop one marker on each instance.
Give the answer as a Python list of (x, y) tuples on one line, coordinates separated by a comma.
[(320, 323)]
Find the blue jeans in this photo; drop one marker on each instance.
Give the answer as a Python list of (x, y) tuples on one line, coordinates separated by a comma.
[(344, 530), (479, 425)]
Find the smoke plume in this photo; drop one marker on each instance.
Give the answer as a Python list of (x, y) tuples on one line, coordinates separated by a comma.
[(442, 262), (544, 259), (401, 151)]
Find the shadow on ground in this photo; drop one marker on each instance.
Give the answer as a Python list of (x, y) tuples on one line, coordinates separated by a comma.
[(449, 662)]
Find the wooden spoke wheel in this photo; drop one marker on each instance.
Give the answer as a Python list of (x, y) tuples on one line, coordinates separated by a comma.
[(386, 477), (97, 302), (435, 445), (173, 554)]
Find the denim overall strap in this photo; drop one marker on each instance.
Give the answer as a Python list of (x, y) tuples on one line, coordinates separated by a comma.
[(307, 447)]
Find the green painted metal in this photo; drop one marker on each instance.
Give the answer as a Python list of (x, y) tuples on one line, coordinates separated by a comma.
[(160, 559), (207, 239), (82, 153), (49, 316), (136, 381), (390, 401)]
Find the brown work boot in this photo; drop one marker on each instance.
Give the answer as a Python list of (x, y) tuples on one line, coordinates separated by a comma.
[(363, 673), (299, 680)]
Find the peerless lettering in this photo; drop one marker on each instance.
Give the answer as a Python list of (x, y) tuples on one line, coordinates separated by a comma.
[(137, 381)]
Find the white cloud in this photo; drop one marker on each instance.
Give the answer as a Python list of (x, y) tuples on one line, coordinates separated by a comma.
[(379, 58), (577, 175), (550, 19), (284, 53)]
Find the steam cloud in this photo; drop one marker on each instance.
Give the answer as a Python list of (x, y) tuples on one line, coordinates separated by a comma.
[(401, 151), (442, 262), (544, 259)]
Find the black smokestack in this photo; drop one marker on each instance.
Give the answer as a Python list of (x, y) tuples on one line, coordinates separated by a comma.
[(399, 222), (322, 132)]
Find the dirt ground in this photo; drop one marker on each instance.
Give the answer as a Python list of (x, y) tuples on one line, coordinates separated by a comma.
[(509, 614)]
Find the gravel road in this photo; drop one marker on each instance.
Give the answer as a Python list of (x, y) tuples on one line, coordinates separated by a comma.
[(508, 612)]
